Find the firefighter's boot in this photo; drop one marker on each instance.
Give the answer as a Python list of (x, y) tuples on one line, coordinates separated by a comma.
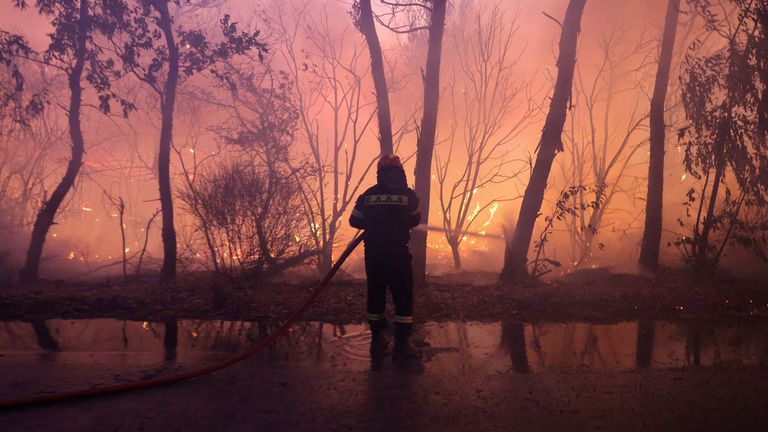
[(379, 343), (404, 351)]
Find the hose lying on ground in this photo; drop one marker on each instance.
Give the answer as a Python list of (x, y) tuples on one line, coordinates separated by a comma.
[(117, 388)]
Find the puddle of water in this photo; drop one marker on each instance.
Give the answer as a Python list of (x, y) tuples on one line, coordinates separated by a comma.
[(447, 347), (55, 355)]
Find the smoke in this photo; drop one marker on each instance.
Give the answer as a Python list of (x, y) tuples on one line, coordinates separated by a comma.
[(608, 100)]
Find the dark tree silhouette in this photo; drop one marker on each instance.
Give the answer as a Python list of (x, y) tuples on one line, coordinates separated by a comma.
[(513, 338), (73, 50), (45, 339), (725, 101), (645, 337), (649, 250), (516, 254), (161, 65), (171, 339), (363, 15), (426, 142), (167, 104)]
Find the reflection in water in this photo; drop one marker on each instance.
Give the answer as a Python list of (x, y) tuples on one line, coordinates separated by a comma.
[(45, 339), (513, 338), (449, 347), (171, 340), (693, 346), (645, 331)]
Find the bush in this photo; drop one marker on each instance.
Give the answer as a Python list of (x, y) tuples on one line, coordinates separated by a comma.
[(252, 218)]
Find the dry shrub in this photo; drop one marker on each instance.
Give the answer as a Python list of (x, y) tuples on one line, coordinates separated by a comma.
[(253, 216)]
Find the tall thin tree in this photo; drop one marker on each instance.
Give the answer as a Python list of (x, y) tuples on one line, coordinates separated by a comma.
[(365, 24), (516, 254), (426, 141), (167, 104), (148, 57), (73, 50), (649, 250)]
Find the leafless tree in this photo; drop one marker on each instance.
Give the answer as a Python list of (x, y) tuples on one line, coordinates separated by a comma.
[(191, 201), (603, 145), (492, 105), (28, 157), (259, 217), (327, 68)]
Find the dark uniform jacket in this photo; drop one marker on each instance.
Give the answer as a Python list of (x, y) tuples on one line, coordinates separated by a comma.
[(387, 211)]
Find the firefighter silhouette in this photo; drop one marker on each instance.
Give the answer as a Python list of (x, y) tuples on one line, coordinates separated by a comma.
[(387, 212)]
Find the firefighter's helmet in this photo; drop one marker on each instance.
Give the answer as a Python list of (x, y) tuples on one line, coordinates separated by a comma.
[(388, 160)]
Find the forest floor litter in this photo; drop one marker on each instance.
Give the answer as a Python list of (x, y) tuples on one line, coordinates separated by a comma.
[(588, 295)]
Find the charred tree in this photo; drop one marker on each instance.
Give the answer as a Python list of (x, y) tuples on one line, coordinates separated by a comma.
[(649, 250), (167, 104), (516, 254), (426, 141), (365, 24), (73, 50), (47, 214)]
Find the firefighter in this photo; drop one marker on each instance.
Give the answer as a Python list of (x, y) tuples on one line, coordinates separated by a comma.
[(387, 212)]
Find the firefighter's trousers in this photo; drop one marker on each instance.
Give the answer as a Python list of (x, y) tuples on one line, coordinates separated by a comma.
[(389, 267)]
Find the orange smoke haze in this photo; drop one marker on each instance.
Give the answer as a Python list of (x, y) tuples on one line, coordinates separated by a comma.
[(121, 155)]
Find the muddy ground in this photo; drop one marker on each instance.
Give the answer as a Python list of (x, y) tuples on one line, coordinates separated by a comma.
[(592, 295), (250, 397)]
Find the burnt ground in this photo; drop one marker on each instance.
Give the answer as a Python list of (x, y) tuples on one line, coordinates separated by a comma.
[(597, 296)]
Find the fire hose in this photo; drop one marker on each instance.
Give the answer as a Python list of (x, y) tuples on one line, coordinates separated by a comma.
[(137, 385)]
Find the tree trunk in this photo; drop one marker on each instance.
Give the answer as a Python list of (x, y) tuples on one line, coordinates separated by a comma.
[(325, 259), (702, 262), (649, 250), (368, 28), (426, 142), (47, 213), (168, 101), (516, 254), (456, 256)]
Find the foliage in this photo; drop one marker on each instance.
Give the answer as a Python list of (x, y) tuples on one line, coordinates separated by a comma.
[(564, 207), (144, 53), (17, 106), (725, 94), (103, 23)]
